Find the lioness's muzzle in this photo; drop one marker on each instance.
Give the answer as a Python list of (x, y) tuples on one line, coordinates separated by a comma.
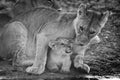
[(82, 40)]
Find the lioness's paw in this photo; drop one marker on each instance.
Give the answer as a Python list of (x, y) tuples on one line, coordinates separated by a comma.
[(35, 70), (86, 68)]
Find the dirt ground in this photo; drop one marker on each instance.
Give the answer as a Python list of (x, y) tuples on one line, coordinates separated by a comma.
[(8, 72)]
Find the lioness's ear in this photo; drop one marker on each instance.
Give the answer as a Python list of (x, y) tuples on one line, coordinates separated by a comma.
[(104, 18), (81, 10)]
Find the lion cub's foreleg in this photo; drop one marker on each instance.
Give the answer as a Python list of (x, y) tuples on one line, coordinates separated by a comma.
[(66, 64)]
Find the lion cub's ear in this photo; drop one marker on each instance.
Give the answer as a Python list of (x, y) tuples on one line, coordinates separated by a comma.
[(52, 44)]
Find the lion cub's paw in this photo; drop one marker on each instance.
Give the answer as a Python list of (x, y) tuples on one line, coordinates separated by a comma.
[(54, 70), (65, 70), (35, 70)]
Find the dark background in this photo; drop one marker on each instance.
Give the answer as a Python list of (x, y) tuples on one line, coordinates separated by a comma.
[(103, 58)]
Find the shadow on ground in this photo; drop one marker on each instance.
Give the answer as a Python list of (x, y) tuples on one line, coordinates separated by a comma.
[(7, 72)]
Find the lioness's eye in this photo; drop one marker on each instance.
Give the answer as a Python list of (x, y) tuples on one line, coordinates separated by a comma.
[(81, 28), (80, 12)]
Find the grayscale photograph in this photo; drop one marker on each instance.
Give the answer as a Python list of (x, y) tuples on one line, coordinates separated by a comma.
[(59, 39)]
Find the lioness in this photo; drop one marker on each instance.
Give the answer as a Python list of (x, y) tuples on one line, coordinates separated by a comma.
[(59, 57), (26, 37)]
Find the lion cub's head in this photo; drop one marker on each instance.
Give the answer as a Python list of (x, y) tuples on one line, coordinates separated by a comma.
[(88, 24), (61, 46)]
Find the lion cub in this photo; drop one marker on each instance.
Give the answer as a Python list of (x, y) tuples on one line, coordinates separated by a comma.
[(59, 56)]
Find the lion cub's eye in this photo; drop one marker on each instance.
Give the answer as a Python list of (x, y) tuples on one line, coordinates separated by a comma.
[(68, 50), (92, 32), (62, 44), (80, 12)]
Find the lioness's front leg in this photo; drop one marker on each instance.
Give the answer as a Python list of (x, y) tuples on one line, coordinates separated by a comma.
[(38, 66), (78, 63)]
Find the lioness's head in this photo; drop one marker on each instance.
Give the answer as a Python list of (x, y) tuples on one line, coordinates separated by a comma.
[(88, 24)]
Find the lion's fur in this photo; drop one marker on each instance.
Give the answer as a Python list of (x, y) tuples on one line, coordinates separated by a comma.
[(35, 20), (27, 36)]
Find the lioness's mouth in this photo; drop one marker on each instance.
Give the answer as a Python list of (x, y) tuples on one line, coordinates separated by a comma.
[(1, 8), (81, 44)]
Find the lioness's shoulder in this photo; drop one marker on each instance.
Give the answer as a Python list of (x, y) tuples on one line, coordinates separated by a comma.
[(37, 17)]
